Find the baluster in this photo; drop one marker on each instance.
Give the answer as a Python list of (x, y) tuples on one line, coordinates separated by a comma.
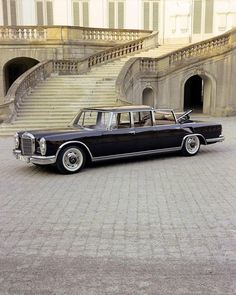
[(30, 33), (94, 35), (35, 33), (84, 34)]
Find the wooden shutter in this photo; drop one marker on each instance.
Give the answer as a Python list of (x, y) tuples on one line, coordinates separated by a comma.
[(49, 13), (5, 12), (120, 15), (76, 13), (197, 16), (155, 15), (111, 14), (146, 16), (209, 16), (85, 14), (13, 12), (39, 6)]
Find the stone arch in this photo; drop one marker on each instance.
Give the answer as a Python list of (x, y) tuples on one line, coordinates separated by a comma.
[(14, 68), (193, 93), (207, 84), (148, 96)]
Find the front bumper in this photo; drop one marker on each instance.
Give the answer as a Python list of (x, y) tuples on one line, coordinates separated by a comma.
[(35, 159), (214, 140)]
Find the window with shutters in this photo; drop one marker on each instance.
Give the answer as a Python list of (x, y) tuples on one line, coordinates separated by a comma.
[(9, 12), (116, 10), (203, 16), (197, 16), (209, 6), (80, 13), (44, 12), (151, 15)]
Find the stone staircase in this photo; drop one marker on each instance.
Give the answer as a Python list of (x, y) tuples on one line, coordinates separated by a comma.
[(54, 102)]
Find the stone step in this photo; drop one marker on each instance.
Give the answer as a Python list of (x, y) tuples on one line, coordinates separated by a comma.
[(72, 90), (67, 101)]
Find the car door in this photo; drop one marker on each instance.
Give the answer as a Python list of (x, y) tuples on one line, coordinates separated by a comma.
[(158, 135), (120, 139)]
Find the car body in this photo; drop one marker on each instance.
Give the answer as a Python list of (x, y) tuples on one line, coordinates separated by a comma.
[(115, 132)]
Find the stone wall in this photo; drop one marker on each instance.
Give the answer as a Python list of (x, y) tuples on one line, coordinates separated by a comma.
[(213, 60)]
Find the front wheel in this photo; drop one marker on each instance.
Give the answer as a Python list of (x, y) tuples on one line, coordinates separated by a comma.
[(191, 146), (70, 160)]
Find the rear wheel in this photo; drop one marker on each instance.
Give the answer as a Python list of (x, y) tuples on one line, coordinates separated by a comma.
[(191, 146), (71, 160)]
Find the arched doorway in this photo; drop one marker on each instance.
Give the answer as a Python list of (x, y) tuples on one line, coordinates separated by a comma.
[(148, 97), (15, 68), (194, 93)]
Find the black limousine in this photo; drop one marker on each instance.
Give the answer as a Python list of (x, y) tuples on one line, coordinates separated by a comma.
[(115, 132)]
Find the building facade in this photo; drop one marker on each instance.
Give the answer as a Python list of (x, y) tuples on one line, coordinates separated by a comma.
[(178, 21)]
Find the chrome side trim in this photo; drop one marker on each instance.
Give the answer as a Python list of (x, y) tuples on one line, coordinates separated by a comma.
[(72, 142), (217, 139), (143, 153)]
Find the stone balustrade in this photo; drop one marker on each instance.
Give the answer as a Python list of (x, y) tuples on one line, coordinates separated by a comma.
[(114, 53), (111, 35), (24, 33), (68, 34), (66, 66), (202, 48), (122, 50), (24, 84)]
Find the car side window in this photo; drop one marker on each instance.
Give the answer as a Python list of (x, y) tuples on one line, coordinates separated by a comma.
[(121, 120), (142, 119), (164, 118)]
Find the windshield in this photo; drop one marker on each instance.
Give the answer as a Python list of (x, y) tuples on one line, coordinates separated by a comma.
[(92, 119)]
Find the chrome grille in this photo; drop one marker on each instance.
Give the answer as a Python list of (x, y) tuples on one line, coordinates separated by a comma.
[(27, 144)]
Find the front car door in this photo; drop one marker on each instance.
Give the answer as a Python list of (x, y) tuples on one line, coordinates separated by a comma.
[(119, 139)]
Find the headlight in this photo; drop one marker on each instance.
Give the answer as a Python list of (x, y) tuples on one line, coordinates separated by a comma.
[(16, 140), (43, 146)]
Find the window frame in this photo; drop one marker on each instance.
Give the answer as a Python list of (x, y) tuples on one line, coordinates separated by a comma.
[(45, 12), (116, 14), (8, 17), (81, 13), (151, 13)]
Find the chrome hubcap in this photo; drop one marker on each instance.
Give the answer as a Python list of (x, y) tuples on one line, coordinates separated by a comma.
[(72, 159), (192, 144)]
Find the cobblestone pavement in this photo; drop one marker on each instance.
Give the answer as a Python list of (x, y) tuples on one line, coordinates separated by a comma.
[(156, 225)]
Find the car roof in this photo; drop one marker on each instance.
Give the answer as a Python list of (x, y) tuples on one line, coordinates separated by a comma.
[(125, 108)]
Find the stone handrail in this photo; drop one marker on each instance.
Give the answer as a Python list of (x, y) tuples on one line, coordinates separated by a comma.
[(68, 34), (24, 84), (119, 51), (170, 62)]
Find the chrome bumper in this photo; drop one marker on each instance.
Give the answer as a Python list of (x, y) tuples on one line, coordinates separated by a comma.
[(41, 160), (217, 139)]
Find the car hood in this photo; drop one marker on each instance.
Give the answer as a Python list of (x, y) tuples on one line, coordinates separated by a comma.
[(55, 131)]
